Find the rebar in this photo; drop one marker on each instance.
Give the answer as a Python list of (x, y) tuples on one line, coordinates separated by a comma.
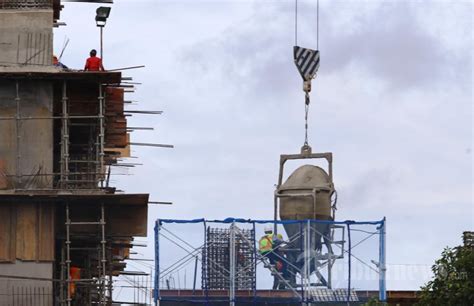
[(217, 260)]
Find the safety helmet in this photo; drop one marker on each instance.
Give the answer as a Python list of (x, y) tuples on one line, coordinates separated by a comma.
[(268, 229)]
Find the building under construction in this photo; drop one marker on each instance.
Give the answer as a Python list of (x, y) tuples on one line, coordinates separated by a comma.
[(65, 232)]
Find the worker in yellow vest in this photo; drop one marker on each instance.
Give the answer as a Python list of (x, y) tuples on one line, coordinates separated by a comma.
[(268, 247), (265, 244)]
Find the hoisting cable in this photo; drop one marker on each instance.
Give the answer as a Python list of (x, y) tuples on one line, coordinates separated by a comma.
[(307, 62), (306, 110), (317, 25), (296, 22)]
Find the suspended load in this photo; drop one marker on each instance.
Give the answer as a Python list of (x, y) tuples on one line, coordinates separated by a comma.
[(310, 180), (307, 194)]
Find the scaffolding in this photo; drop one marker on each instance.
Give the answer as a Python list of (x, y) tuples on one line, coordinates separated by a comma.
[(98, 283), (86, 125), (82, 165), (224, 272)]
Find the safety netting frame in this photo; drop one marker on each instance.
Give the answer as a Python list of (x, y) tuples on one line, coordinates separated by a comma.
[(301, 296)]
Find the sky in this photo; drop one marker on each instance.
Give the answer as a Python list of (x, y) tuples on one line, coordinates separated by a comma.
[(392, 100)]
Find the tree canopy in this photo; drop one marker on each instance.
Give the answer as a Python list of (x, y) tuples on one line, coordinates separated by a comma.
[(453, 279)]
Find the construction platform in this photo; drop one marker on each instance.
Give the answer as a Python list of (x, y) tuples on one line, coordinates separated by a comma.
[(223, 261), (278, 297)]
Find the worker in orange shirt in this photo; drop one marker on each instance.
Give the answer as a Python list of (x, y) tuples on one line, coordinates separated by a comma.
[(94, 63), (75, 275)]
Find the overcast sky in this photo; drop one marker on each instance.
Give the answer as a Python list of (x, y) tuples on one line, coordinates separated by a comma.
[(392, 101)]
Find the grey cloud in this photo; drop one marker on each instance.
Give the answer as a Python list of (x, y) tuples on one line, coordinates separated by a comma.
[(393, 44), (250, 54), (388, 40)]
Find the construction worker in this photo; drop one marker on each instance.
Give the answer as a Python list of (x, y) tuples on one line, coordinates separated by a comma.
[(268, 247), (94, 63), (265, 244), (75, 274), (57, 63)]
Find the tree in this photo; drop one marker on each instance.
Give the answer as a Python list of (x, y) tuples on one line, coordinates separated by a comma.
[(453, 281), (374, 302)]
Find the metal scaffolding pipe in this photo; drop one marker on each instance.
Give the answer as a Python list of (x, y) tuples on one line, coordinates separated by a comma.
[(232, 265), (382, 262), (103, 260), (65, 138), (61, 287), (68, 256), (101, 134), (17, 130), (151, 145)]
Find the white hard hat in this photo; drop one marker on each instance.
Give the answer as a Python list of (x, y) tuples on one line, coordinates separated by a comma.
[(268, 229)]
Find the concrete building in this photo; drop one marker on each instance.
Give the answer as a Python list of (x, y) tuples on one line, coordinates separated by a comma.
[(65, 232)]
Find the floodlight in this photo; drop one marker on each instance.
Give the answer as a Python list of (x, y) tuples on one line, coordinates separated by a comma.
[(103, 13)]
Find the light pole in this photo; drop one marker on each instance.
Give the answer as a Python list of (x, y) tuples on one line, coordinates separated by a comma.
[(102, 13)]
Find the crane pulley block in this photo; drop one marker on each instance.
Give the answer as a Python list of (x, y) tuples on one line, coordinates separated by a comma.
[(307, 62)]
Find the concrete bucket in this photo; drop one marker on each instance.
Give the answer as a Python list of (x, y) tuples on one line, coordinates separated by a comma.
[(306, 195)]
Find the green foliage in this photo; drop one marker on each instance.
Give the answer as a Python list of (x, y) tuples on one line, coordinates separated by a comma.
[(453, 281), (374, 302)]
